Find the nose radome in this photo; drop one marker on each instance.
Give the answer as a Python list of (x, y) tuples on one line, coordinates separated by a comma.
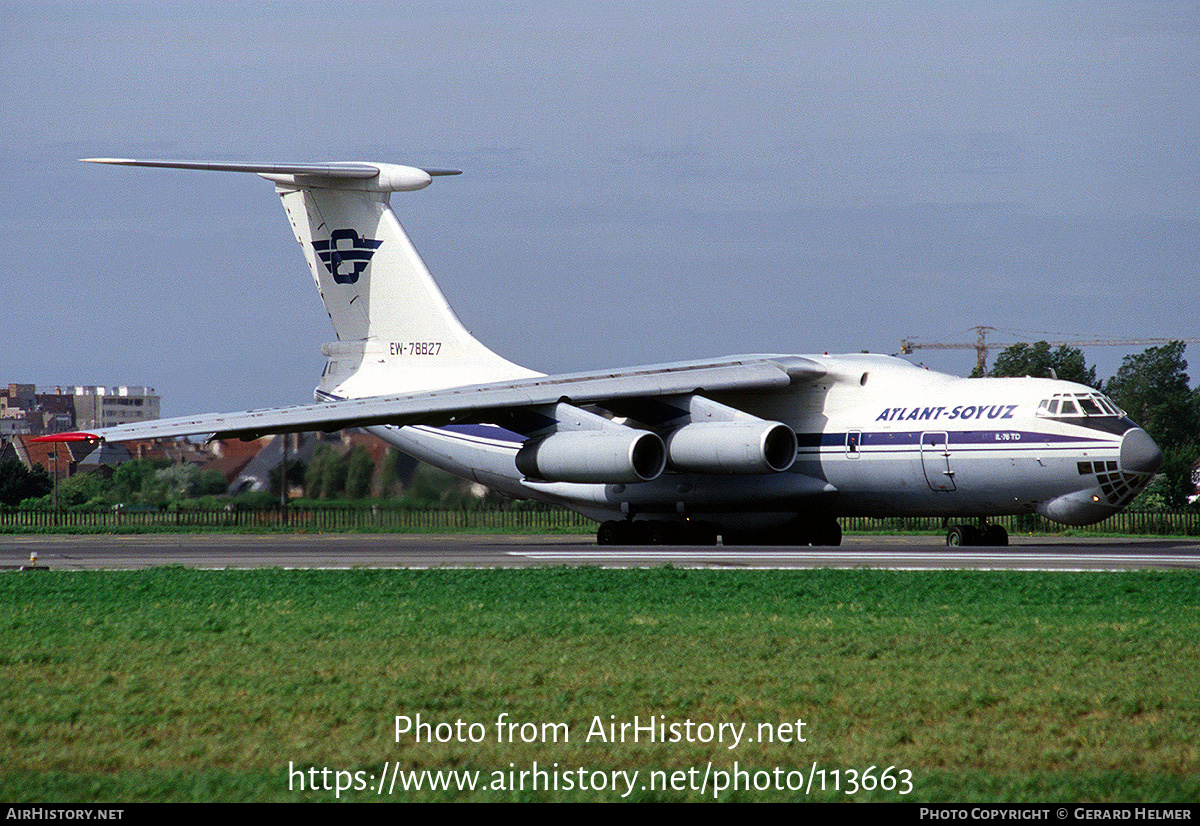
[(1139, 453)]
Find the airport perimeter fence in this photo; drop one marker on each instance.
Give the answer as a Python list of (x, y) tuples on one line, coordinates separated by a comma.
[(317, 520), (515, 520), (1137, 523)]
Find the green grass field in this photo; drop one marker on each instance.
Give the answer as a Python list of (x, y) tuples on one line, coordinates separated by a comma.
[(180, 685)]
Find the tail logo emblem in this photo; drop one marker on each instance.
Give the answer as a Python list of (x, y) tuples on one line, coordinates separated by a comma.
[(346, 254)]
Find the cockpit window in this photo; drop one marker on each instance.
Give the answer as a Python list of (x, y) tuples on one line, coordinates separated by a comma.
[(1078, 404)]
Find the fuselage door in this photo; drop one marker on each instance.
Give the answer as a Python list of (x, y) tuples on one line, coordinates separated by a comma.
[(935, 459), (853, 440)]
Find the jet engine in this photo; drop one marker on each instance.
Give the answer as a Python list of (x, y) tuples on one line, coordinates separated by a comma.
[(610, 456), (742, 447)]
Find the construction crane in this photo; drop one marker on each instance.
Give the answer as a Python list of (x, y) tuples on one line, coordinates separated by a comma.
[(981, 346)]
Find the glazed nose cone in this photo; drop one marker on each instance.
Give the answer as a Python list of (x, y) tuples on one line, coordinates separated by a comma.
[(1139, 453)]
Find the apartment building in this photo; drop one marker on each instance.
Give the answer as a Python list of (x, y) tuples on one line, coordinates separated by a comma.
[(97, 407)]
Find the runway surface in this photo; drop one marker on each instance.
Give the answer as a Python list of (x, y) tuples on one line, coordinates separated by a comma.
[(218, 551)]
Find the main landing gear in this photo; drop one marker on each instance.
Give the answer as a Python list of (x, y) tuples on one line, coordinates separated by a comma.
[(985, 534), (656, 532), (661, 532), (826, 532)]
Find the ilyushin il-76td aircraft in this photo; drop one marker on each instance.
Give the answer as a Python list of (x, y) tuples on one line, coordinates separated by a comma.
[(766, 449)]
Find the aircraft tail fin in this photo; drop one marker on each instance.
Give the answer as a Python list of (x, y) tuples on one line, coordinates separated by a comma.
[(396, 332)]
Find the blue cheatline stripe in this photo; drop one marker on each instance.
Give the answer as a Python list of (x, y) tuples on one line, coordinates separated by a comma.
[(955, 437), (485, 431), (468, 438), (478, 431)]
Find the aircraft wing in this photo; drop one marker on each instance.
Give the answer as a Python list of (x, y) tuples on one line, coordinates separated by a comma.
[(475, 402)]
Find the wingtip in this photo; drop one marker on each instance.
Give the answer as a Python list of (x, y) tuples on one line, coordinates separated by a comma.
[(67, 437)]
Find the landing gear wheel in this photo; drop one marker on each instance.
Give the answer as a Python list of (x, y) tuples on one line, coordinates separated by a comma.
[(973, 536), (656, 532), (995, 535), (664, 533), (826, 532), (700, 534), (614, 533), (797, 533)]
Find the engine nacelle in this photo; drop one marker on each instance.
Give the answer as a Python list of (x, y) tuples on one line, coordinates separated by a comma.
[(611, 456), (743, 447)]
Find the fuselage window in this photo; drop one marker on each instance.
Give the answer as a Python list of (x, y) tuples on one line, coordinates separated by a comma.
[(1090, 407), (1069, 408), (1054, 408)]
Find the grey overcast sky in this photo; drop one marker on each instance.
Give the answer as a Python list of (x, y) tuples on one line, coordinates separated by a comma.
[(643, 181)]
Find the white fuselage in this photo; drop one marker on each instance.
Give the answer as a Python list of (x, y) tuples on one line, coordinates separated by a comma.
[(877, 437)]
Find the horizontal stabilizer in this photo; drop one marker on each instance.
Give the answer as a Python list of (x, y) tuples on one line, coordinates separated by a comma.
[(345, 175), (340, 169)]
